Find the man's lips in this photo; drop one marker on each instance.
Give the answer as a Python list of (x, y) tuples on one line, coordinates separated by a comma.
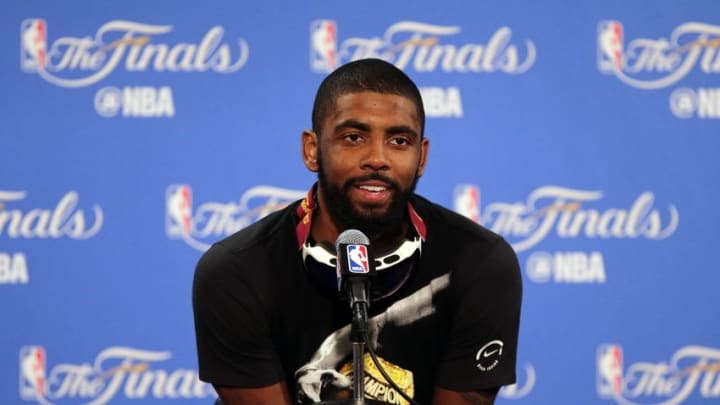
[(373, 192), (373, 186)]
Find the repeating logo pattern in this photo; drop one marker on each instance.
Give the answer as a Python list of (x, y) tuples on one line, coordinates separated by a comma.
[(116, 371), (211, 221), (657, 63), (691, 370), (565, 233), (73, 62)]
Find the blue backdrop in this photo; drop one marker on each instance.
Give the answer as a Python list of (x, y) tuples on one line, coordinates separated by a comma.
[(134, 134)]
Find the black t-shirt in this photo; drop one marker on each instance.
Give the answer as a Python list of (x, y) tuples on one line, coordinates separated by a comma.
[(260, 318)]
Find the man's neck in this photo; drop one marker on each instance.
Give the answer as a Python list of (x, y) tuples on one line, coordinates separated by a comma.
[(389, 240)]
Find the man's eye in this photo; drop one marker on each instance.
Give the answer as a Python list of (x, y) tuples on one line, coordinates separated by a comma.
[(352, 137), (400, 141)]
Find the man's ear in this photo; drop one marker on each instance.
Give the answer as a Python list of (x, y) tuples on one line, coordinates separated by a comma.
[(309, 142), (424, 146)]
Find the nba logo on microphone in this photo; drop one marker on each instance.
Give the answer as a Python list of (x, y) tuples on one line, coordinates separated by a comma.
[(357, 256), (610, 46), (609, 371), (323, 46), (32, 372), (178, 212), (33, 44)]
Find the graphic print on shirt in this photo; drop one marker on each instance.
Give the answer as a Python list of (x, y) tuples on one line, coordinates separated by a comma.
[(320, 376)]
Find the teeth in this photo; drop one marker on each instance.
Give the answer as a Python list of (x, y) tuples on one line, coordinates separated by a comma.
[(374, 189)]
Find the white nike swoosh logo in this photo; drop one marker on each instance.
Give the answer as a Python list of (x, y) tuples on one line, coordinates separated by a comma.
[(488, 354)]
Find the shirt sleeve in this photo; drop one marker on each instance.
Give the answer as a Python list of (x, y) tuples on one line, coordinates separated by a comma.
[(481, 349), (232, 327)]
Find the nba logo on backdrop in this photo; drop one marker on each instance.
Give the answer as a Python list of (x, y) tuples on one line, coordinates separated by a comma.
[(610, 46), (178, 212), (323, 46), (32, 372), (358, 259), (609, 371), (467, 201), (33, 44)]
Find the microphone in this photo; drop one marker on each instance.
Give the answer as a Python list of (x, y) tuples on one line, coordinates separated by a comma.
[(355, 268)]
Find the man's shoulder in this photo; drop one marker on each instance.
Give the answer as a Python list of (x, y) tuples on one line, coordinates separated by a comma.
[(271, 228), (248, 249), (467, 247)]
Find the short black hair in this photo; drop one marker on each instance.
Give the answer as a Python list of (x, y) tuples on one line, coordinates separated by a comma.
[(375, 75)]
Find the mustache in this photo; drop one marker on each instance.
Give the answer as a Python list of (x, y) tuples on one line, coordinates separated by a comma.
[(372, 176)]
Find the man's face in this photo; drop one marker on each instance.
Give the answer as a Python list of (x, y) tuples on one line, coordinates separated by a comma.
[(370, 156)]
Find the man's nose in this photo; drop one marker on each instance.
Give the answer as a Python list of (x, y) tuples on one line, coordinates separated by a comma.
[(376, 157)]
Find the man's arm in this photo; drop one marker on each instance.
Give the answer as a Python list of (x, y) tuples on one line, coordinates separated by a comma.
[(480, 397), (234, 343), (482, 345), (276, 394)]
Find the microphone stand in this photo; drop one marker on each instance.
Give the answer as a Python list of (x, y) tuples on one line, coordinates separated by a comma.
[(358, 332), (354, 276)]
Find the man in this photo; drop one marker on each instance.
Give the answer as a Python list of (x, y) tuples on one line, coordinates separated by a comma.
[(446, 300)]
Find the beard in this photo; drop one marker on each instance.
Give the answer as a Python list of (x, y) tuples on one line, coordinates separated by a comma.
[(371, 222)]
